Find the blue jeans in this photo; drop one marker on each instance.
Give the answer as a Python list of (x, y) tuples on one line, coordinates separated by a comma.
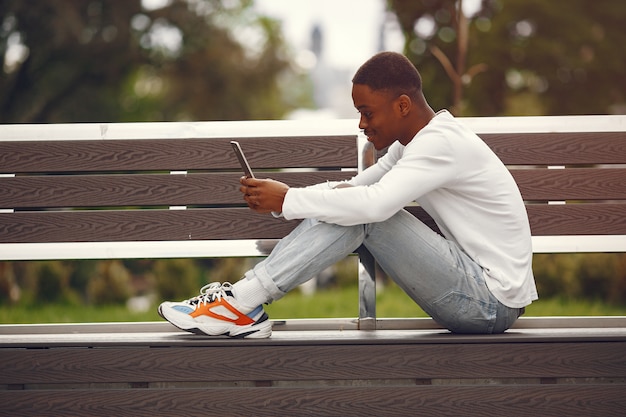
[(433, 271)]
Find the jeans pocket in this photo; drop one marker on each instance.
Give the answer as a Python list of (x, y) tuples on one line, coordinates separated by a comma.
[(461, 313)]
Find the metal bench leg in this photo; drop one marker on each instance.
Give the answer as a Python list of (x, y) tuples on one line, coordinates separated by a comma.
[(367, 289), (367, 264)]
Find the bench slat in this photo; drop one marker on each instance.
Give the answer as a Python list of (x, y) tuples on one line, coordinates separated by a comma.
[(138, 225), (577, 219), (340, 400), (141, 189), (242, 223), (325, 358), (558, 148), (571, 184), (215, 189), (555, 148), (566, 219), (175, 154)]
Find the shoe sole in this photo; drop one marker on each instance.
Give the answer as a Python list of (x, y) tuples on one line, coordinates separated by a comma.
[(182, 321)]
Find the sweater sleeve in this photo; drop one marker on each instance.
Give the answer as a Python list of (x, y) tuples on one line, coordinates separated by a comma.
[(402, 176)]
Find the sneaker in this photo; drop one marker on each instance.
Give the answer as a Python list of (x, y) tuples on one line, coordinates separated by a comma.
[(215, 312)]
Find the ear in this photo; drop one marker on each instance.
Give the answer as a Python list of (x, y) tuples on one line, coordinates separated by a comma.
[(404, 104)]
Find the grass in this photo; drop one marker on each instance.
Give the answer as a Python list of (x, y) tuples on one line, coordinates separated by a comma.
[(393, 302), (334, 302)]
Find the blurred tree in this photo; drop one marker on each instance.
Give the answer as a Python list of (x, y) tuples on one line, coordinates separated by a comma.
[(103, 60), (111, 284), (518, 57), (177, 278), (591, 276), (436, 40)]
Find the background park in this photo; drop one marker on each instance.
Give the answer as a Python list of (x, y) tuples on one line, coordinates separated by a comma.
[(69, 61)]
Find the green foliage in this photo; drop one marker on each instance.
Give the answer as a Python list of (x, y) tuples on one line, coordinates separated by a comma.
[(67, 313), (81, 271), (110, 285), (9, 290), (228, 270), (519, 57), (392, 302), (108, 61), (594, 276), (52, 282), (47, 282), (176, 279), (579, 278), (345, 272)]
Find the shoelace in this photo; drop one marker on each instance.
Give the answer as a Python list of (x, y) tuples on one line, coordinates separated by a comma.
[(211, 292)]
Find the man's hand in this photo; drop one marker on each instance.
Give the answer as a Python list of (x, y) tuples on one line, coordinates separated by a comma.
[(263, 196)]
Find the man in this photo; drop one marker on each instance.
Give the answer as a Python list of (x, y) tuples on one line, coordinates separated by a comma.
[(476, 278)]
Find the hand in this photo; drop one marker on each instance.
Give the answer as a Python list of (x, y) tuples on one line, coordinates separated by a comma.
[(263, 196)]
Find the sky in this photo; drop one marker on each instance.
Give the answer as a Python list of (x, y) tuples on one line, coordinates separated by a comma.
[(350, 29), (351, 34)]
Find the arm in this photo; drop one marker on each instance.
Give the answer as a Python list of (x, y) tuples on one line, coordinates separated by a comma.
[(421, 168), (267, 195), (375, 189)]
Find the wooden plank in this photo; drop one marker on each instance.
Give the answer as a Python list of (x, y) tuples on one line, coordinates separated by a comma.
[(571, 184), (577, 219), (199, 189), (558, 148), (312, 360), (141, 189), (555, 148), (242, 223), (467, 400), (565, 219), (175, 154), (141, 225)]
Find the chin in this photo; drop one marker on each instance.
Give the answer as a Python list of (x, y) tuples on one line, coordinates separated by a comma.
[(378, 145)]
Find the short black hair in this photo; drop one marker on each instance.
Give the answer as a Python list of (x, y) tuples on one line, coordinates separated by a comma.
[(390, 71)]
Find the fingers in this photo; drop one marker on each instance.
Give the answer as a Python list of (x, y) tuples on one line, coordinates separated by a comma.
[(252, 186), (250, 182), (255, 204), (245, 186), (263, 195), (248, 186), (250, 193)]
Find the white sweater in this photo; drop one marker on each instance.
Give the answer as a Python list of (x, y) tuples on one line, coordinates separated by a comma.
[(460, 182)]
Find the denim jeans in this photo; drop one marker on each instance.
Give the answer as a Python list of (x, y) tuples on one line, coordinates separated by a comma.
[(433, 271)]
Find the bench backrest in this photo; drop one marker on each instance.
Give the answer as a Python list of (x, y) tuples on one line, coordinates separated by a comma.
[(164, 182), (157, 187)]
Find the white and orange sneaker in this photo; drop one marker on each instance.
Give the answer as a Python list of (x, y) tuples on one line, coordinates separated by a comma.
[(215, 312)]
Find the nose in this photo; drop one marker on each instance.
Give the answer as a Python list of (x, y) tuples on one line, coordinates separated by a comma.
[(362, 123)]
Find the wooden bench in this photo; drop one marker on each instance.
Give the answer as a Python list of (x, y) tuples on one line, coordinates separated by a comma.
[(169, 190)]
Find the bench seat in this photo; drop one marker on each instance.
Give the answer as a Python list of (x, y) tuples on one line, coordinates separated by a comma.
[(541, 366)]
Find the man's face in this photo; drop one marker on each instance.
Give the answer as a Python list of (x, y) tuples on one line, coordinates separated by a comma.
[(379, 119)]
